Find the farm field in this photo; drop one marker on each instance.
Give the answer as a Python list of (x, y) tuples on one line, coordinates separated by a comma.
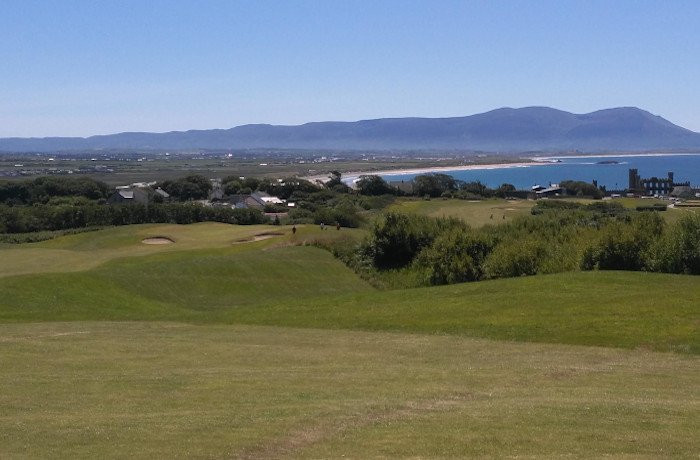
[(220, 345)]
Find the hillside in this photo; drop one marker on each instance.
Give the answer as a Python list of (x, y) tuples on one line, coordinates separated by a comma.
[(503, 130)]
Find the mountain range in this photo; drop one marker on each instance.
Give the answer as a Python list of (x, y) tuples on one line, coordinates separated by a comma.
[(500, 130)]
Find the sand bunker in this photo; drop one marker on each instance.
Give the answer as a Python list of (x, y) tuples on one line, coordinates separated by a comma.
[(157, 240), (258, 237)]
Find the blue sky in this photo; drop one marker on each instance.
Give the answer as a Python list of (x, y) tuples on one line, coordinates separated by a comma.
[(87, 67)]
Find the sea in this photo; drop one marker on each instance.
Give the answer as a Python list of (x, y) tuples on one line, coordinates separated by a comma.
[(609, 171)]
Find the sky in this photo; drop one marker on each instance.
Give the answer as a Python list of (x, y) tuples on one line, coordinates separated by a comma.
[(78, 68)]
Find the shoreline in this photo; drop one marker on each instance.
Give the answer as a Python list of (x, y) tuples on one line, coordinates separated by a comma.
[(612, 155), (352, 176)]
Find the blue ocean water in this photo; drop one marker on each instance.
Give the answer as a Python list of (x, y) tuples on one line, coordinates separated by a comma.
[(686, 167)]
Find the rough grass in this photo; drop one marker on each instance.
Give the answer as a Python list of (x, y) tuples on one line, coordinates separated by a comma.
[(169, 390)]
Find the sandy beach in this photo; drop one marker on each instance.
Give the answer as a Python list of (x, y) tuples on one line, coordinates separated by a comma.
[(354, 175)]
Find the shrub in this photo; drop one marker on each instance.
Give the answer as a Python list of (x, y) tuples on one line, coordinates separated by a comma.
[(398, 238), (624, 245), (678, 251), (515, 258), (455, 256)]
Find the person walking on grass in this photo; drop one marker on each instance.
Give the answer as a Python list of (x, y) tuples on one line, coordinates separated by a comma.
[(294, 229), (337, 225)]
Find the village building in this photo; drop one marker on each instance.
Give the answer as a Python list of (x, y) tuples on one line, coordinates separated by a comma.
[(256, 200), (164, 196), (128, 196), (538, 191)]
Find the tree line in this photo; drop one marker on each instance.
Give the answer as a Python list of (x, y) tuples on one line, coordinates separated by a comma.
[(24, 219)]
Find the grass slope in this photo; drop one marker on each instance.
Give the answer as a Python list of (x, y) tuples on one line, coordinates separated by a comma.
[(307, 287), (169, 390), (617, 309), (187, 285)]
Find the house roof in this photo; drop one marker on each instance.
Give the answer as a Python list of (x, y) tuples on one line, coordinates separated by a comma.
[(549, 190), (162, 193)]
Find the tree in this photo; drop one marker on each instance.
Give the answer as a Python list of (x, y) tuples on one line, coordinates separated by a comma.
[(372, 185), (336, 183), (505, 189), (192, 187), (579, 188), (232, 187), (434, 184)]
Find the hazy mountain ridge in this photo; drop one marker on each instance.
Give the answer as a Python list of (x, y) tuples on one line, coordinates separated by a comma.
[(502, 130)]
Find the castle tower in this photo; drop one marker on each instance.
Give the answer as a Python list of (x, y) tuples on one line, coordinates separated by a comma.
[(634, 180)]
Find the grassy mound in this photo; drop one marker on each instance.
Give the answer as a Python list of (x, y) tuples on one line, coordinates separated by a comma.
[(184, 285), (306, 287)]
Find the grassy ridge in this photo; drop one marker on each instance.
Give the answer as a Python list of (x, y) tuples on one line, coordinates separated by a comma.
[(616, 309), (186, 285), (307, 287)]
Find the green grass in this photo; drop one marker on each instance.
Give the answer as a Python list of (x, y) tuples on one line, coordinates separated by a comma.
[(169, 390), (615, 309), (211, 347), (304, 286), (86, 251), (475, 213), (186, 285)]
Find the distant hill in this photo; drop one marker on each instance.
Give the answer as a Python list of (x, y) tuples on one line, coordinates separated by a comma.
[(500, 130)]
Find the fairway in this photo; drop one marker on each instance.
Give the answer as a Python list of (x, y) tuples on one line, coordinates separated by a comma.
[(217, 345), (475, 213), (167, 389), (88, 250)]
